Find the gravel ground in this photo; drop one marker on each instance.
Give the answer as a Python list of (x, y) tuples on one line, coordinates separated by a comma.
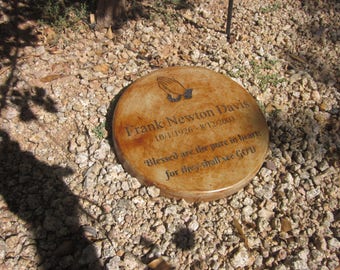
[(66, 203)]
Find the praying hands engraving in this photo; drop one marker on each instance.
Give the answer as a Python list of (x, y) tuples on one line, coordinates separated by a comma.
[(174, 89)]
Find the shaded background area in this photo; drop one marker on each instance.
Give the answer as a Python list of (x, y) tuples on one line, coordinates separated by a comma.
[(27, 22), (33, 190), (20, 22), (322, 28), (37, 194)]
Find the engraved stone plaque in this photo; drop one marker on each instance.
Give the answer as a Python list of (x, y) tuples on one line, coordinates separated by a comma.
[(194, 133)]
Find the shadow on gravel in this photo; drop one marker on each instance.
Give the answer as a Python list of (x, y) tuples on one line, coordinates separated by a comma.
[(110, 117), (184, 239), (18, 22), (305, 139), (37, 194), (319, 30)]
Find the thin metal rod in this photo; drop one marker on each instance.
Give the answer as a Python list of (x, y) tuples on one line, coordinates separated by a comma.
[(230, 14)]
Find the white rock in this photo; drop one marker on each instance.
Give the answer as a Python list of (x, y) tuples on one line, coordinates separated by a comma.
[(153, 191), (334, 244), (316, 96), (193, 225), (241, 258), (113, 263), (81, 158), (125, 186)]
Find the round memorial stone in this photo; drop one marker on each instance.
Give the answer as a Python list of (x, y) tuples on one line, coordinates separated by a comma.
[(194, 133)]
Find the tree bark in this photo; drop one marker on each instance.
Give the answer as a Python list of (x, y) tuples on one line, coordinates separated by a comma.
[(109, 11)]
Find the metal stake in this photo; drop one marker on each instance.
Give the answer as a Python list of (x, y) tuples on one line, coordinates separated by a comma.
[(230, 14)]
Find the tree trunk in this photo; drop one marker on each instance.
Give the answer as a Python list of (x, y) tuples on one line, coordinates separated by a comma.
[(109, 11)]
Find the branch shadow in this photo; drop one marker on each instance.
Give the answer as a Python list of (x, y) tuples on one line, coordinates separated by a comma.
[(36, 193), (18, 30)]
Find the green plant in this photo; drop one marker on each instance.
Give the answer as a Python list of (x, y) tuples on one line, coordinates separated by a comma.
[(262, 72), (99, 131), (270, 8), (269, 79), (164, 9), (257, 67), (61, 14), (237, 72)]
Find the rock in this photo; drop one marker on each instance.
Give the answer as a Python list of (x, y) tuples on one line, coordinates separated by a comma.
[(304, 254), (323, 165), (64, 249), (3, 248), (109, 89), (171, 210), (121, 210), (195, 54), (265, 173), (81, 159), (134, 183), (89, 255), (240, 258), (125, 186), (300, 265), (263, 224), (102, 110), (131, 262), (311, 194), (160, 229), (113, 263), (91, 176), (286, 225), (268, 191), (298, 157), (78, 107), (317, 255), (103, 150), (247, 211), (334, 244), (270, 165), (90, 232), (103, 68), (11, 113), (193, 225), (265, 213), (281, 255), (153, 191), (316, 96)]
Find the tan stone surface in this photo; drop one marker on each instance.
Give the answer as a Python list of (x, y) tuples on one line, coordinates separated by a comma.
[(193, 133)]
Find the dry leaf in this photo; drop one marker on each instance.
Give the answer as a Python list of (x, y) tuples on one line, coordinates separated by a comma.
[(286, 225), (103, 68), (166, 51), (54, 50), (241, 232), (47, 35), (109, 33), (160, 264), (297, 58), (92, 19), (50, 78)]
